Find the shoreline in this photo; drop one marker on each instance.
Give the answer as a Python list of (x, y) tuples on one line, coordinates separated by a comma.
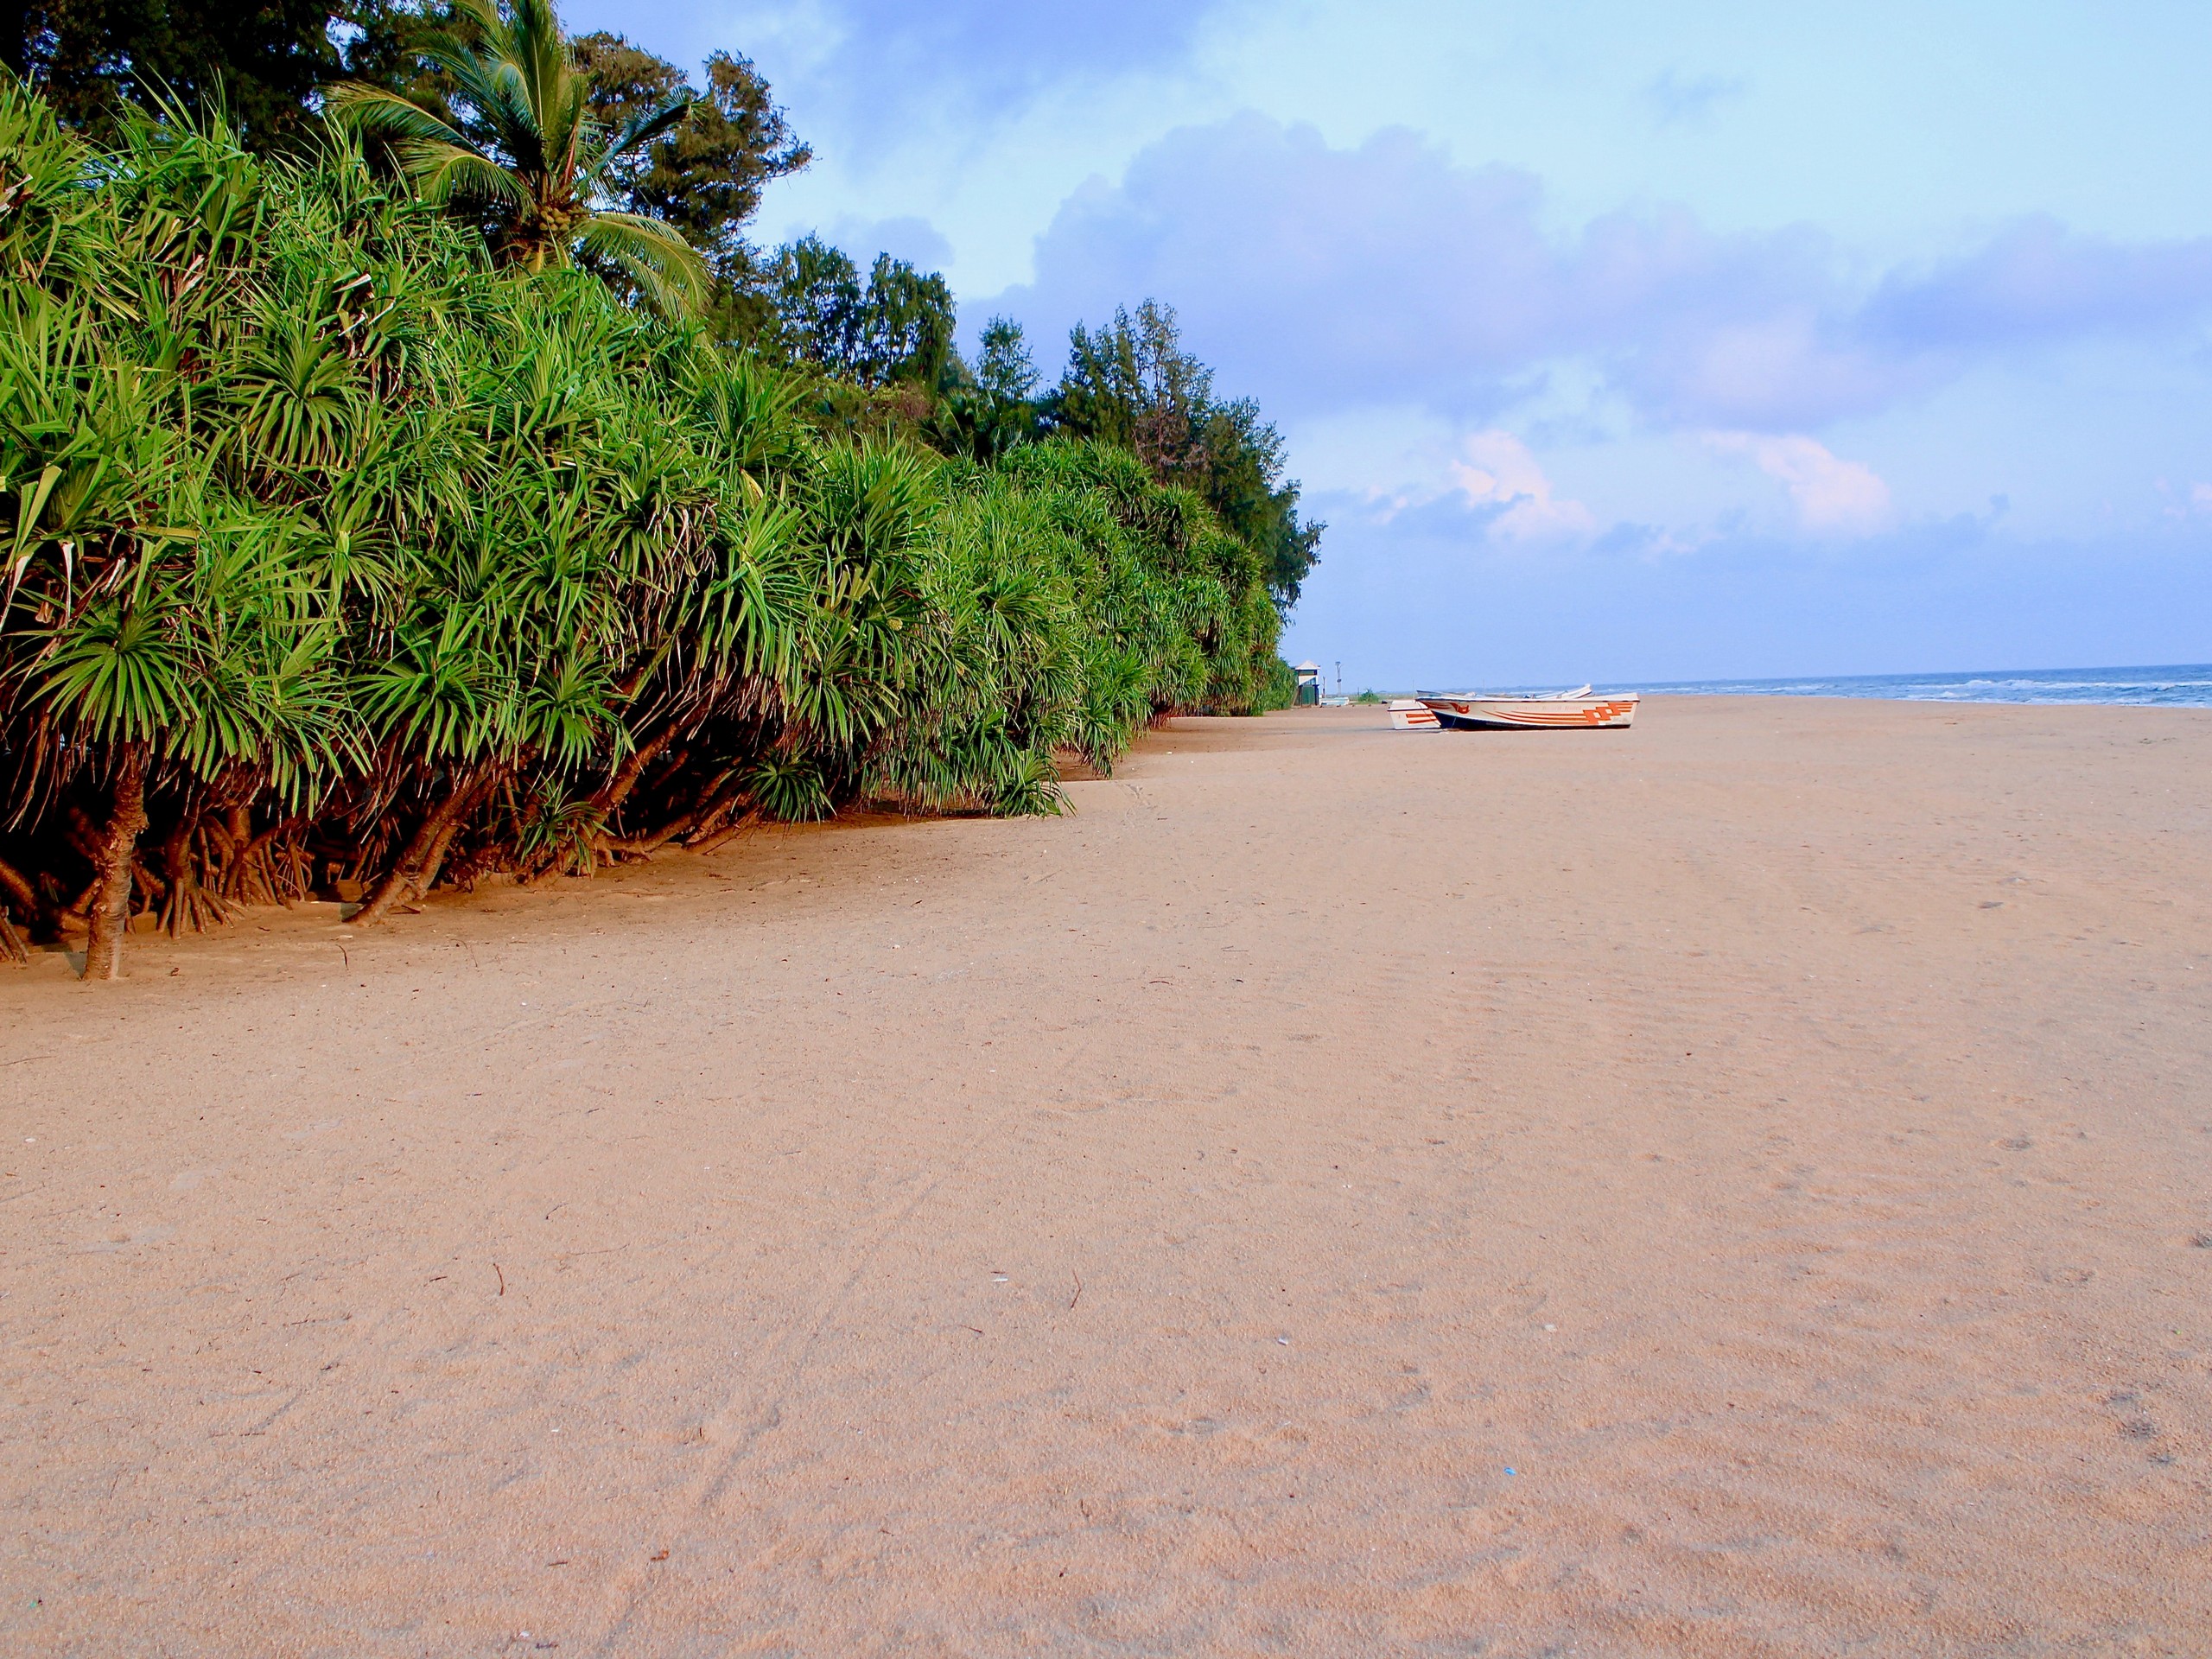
[(2188, 685), (1735, 1186)]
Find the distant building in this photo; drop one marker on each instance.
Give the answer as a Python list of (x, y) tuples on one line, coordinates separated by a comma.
[(1309, 682)]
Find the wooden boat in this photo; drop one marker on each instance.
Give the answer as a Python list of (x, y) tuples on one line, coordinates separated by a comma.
[(1409, 714), (1544, 711)]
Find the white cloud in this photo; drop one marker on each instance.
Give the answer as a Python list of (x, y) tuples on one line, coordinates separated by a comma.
[(1394, 462), (1406, 276), (1496, 469), (1832, 495), (907, 237)]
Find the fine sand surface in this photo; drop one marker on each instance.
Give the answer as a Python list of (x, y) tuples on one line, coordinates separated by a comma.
[(1739, 1186)]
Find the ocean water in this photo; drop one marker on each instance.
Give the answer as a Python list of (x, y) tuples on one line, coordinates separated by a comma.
[(2187, 685)]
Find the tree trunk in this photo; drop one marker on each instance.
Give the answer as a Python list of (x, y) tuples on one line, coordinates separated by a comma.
[(652, 840), (609, 800), (83, 834), (111, 907), (434, 860), (250, 878), (17, 890), (398, 880), (18, 886), (406, 879), (713, 841), (189, 902), (715, 803), (80, 907)]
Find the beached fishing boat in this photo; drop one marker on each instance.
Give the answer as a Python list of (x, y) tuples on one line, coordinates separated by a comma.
[(1542, 711)]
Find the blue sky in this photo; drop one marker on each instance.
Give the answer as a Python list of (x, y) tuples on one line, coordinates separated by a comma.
[(1614, 341)]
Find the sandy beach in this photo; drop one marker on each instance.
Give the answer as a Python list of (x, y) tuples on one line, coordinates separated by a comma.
[(1740, 1186)]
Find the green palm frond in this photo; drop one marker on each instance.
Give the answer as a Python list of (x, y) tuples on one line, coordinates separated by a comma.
[(654, 255), (440, 693), (790, 788), (296, 395), (559, 830), (377, 112), (120, 672), (524, 149), (637, 133)]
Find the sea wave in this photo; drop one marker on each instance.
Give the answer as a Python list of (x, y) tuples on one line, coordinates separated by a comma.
[(2168, 684)]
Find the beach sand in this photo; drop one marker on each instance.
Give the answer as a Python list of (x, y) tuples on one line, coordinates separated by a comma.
[(1739, 1187)]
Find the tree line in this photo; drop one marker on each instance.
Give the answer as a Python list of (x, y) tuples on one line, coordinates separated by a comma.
[(270, 69), (398, 486)]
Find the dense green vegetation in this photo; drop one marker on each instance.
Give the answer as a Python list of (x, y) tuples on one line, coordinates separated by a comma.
[(370, 518)]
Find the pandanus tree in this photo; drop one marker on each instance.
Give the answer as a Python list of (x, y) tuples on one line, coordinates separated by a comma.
[(516, 144), (161, 634), (335, 562)]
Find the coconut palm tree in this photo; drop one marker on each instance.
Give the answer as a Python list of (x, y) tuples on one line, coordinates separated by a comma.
[(520, 146)]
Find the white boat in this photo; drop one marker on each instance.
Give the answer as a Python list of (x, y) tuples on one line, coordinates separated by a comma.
[(1410, 714), (1542, 711)]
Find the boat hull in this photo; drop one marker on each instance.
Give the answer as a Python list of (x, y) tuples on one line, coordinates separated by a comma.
[(1533, 713)]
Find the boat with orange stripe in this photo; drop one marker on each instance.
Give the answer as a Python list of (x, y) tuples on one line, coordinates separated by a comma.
[(1538, 711)]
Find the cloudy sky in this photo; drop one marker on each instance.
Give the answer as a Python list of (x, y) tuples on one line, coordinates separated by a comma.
[(1615, 340)]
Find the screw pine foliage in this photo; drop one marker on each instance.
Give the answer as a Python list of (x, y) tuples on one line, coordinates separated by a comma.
[(343, 555)]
